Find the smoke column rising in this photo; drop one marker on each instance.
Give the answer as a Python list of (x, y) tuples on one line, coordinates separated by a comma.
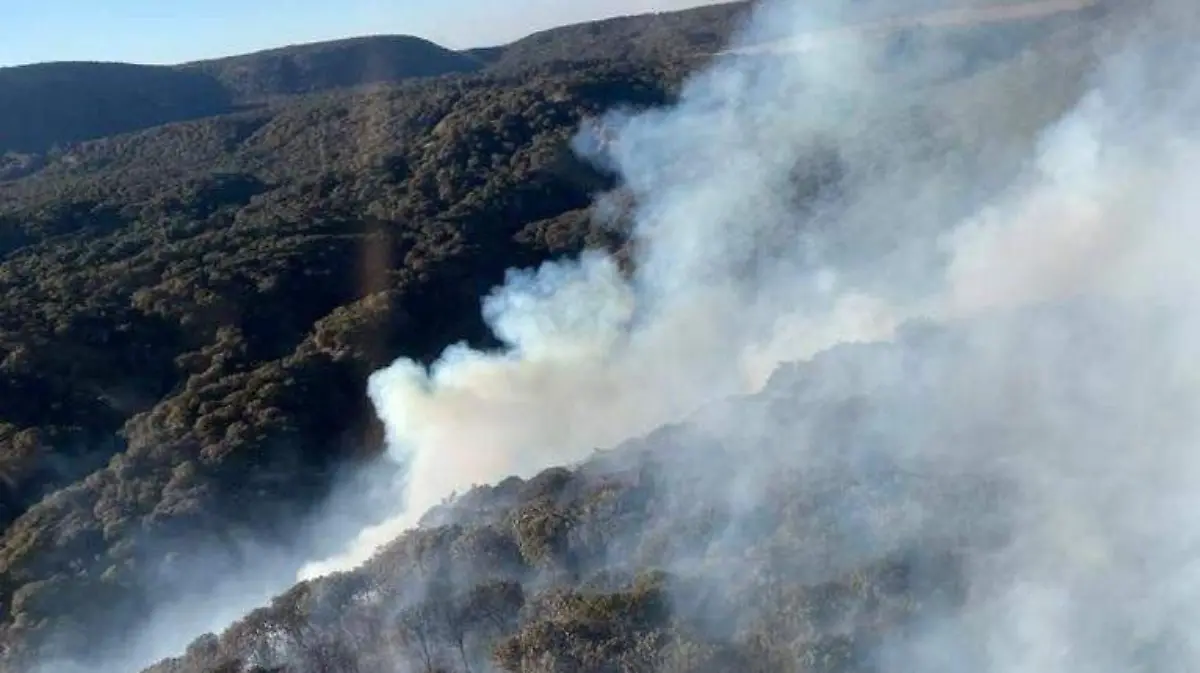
[(736, 273), (1092, 404)]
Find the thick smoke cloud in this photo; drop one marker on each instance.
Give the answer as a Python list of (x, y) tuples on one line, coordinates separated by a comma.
[(1063, 267), (740, 268), (809, 197)]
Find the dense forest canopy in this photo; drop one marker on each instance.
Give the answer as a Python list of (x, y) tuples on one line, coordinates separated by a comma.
[(202, 265)]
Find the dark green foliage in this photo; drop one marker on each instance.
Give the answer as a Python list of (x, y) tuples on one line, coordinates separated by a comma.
[(666, 36), (190, 314), (59, 103), (332, 65)]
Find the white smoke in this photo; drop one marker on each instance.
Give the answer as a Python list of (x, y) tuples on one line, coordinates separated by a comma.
[(733, 276), (1093, 413), (1072, 289), (736, 275)]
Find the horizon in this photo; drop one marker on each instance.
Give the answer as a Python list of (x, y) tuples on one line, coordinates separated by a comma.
[(141, 32)]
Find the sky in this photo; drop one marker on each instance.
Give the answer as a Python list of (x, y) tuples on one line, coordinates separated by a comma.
[(175, 31)]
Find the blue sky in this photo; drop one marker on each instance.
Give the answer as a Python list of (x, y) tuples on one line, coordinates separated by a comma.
[(173, 31)]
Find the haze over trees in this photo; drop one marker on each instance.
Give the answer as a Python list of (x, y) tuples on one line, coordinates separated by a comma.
[(201, 265)]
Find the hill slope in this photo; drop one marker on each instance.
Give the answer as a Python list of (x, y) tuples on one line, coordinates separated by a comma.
[(189, 314), (332, 65), (239, 265), (663, 36), (61, 103), (650, 557)]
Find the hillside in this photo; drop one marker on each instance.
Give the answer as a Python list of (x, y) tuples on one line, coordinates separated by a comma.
[(190, 311), (238, 268), (831, 522), (333, 65), (647, 557), (47, 105), (662, 36), (62, 103)]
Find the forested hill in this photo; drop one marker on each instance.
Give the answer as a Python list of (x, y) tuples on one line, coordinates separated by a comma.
[(195, 285), (56, 104), (51, 104), (332, 65)]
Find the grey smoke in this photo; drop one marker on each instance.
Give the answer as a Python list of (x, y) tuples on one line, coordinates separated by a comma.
[(1065, 266), (736, 273), (1061, 264)]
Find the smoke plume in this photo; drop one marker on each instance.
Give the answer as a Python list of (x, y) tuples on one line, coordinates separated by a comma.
[(1061, 265), (740, 268)]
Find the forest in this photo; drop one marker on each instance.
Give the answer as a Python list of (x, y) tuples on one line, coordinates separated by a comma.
[(195, 288)]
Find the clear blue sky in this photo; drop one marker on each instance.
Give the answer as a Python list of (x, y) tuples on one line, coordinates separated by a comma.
[(173, 31)]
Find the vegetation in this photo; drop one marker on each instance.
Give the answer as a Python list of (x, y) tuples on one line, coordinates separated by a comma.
[(646, 558), (660, 37), (53, 105), (188, 313), (332, 65), (249, 303)]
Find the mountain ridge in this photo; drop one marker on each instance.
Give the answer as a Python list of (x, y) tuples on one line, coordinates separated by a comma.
[(334, 64), (38, 117)]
